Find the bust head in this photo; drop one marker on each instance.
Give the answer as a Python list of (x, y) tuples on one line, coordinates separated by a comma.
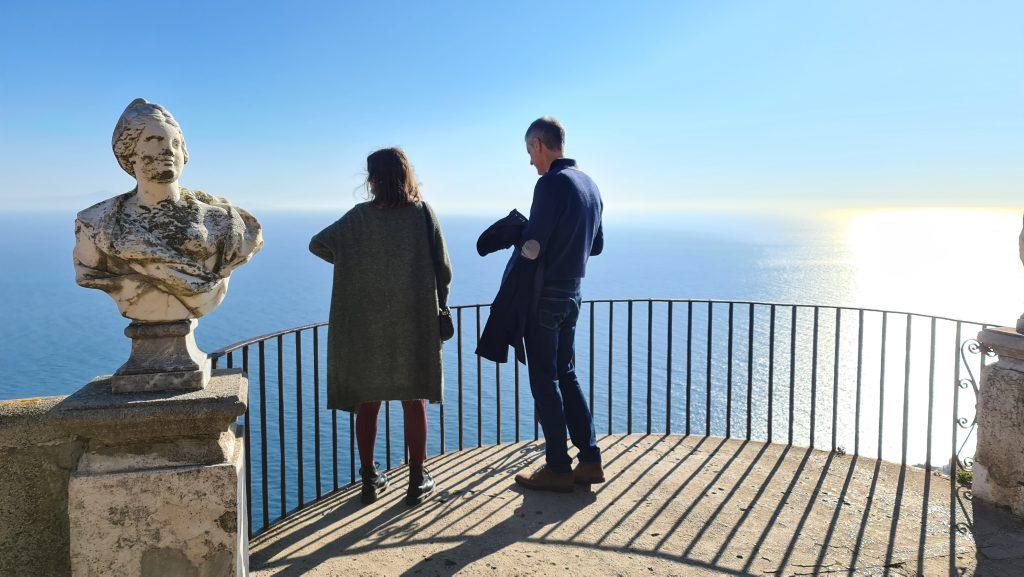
[(148, 143)]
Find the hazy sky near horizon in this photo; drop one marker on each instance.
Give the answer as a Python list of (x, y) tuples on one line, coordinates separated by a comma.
[(669, 105)]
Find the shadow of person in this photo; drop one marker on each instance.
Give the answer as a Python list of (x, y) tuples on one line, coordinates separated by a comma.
[(537, 510)]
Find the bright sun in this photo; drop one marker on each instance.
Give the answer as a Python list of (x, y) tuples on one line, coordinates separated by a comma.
[(937, 260)]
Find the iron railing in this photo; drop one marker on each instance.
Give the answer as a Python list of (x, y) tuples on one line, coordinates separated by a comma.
[(836, 378)]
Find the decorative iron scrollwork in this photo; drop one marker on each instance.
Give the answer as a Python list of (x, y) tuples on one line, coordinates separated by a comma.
[(970, 351), (969, 347)]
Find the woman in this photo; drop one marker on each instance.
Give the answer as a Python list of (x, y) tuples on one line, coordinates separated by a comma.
[(391, 272)]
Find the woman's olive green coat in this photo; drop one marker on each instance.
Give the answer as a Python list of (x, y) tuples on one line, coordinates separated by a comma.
[(383, 341)]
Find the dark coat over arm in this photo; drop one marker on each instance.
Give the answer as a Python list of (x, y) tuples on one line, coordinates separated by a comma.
[(506, 323)]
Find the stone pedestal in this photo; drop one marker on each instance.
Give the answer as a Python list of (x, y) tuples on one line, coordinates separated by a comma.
[(165, 357), (160, 489), (999, 459)]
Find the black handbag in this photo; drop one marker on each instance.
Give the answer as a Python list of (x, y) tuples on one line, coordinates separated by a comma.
[(445, 326)]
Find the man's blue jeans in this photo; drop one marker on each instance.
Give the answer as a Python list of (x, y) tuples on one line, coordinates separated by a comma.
[(550, 351)]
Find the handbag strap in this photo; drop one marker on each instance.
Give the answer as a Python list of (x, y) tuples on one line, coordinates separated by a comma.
[(433, 254)]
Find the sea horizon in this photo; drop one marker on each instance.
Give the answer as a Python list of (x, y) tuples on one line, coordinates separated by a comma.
[(890, 259)]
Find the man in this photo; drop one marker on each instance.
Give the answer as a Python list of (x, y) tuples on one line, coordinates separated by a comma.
[(563, 232)]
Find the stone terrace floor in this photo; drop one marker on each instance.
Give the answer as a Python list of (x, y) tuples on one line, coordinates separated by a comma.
[(672, 505)]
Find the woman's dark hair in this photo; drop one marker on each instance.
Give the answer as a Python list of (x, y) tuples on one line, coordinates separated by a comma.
[(390, 179)]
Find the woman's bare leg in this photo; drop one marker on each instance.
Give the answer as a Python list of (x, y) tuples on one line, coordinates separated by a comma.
[(415, 413), (366, 431)]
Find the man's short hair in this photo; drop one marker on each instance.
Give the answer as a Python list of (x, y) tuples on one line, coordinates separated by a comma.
[(550, 132)]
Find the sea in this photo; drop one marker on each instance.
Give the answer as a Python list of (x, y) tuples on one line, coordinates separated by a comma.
[(961, 264)]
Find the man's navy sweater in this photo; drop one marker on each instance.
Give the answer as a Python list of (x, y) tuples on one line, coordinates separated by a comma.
[(565, 219)]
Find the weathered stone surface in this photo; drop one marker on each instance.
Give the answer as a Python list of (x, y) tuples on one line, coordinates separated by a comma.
[(154, 455), (26, 422), (165, 357), (95, 432), (36, 460), (146, 520), (1007, 344), (158, 486), (162, 252), (999, 457), (162, 381), (106, 418)]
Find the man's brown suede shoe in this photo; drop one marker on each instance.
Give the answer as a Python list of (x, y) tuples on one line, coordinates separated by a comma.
[(588, 473), (544, 479)]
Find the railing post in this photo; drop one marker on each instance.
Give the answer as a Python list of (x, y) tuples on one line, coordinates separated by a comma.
[(771, 374), (668, 373), (497, 403), (728, 378), (316, 409), (590, 328), (707, 380), (629, 368), (835, 377), (650, 360), (750, 371), (515, 366), (458, 342), (298, 417), (282, 469), (689, 362), (479, 387), (814, 380), (792, 373), (264, 480), (611, 359), (954, 464)]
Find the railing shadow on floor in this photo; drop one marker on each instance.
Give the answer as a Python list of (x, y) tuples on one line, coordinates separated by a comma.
[(729, 507), (803, 375)]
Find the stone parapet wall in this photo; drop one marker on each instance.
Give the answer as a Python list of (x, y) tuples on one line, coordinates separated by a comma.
[(37, 456), (172, 458), (999, 458)]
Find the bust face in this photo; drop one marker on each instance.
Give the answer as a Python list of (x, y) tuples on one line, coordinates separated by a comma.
[(159, 155)]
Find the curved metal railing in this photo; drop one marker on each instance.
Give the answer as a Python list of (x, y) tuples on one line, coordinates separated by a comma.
[(841, 379)]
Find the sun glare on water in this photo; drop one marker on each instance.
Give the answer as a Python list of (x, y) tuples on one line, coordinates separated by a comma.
[(959, 262)]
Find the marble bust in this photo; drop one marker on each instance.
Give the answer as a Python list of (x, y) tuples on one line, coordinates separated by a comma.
[(161, 251), (164, 253)]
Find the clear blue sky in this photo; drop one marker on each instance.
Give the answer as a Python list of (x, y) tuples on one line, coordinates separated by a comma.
[(667, 104)]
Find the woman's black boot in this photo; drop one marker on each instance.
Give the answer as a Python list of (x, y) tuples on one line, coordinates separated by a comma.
[(374, 483), (421, 485)]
